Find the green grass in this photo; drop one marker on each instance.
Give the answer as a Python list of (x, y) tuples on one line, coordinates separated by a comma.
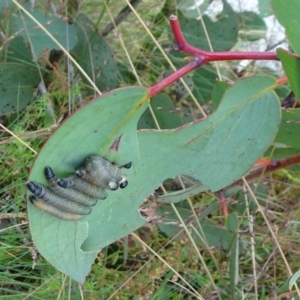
[(121, 271)]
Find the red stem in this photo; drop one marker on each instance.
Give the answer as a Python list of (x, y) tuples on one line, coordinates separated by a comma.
[(201, 57), (158, 87), (224, 207), (282, 80), (275, 166)]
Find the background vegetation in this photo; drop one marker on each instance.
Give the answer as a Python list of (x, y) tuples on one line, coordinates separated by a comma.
[(239, 243)]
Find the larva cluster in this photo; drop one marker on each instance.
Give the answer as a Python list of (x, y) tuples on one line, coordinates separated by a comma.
[(72, 198)]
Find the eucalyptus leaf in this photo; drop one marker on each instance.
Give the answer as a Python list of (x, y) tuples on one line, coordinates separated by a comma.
[(204, 78), (165, 113), (17, 84), (288, 133), (216, 151), (291, 66), (287, 13), (94, 55), (192, 9), (252, 25), (223, 32), (18, 51), (264, 8), (24, 26)]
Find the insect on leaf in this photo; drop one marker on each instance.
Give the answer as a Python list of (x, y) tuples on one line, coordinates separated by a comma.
[(216, 151)]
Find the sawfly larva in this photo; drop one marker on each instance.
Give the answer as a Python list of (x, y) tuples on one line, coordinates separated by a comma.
[(127, 166), (71, 198), (48, 196), (80, 185), (45, 206), (99, 171), (70, 193)]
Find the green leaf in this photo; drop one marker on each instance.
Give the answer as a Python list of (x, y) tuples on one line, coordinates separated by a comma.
[(283, 152), (293, 279), (218, 142), (218, 92), (265, 9), (252, 25), (232, 223), (287, 13), (17, 84), (177, 90), (204, 78), (284, 287), (288, 133), (223, 33), (22, 25), (94, 55), (18, 51), (216, 151), (71, 247), (291, 66), (210, 232), (165, 113), (288, 285), (191, 8)]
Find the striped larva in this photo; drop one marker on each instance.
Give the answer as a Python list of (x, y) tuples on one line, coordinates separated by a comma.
[(71, 198), (99, 171), (70, 193), (48, 196), (61, 214), (78, 184)]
